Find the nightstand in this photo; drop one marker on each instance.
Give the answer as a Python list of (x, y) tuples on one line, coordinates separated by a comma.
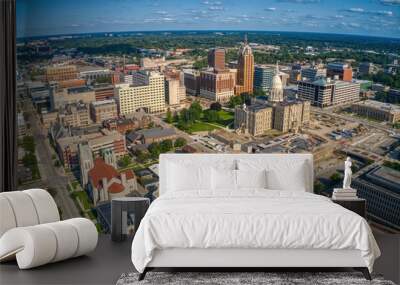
[(126, 214), (356, 205)]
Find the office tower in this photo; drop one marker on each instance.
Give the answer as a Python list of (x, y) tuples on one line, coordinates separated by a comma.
[(217, 86), (191, 81), (245, 70), (342, 70), (276, 91), (313, 73), (326, 92), (61, 73), (216, 58), (263, 75), (147, 92), (103, 110), (174, 91)]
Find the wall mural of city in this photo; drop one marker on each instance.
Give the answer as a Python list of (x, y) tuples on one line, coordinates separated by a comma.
[(108, 87)]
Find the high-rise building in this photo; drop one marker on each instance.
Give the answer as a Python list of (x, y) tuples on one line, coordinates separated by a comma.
[(147, 92), (61, 73), (103, 110), (276, 91), (174, 91), (216, 58), (313, 73), (217, 86), (326, 92), (343, 71), (191, 81), (245, 70), (263, 75)]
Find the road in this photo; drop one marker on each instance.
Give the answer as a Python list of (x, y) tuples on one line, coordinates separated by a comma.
[(50, 176)]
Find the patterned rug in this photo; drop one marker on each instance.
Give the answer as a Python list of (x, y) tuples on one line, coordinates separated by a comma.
[(243, 278)]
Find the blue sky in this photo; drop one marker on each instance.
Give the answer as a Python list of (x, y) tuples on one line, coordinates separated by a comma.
[(366, 17)]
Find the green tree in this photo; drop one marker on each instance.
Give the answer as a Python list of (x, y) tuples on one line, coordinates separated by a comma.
[(335, 177), (125, 161), (29, 160), (176, 117), (28, 143), (195, 111), (166, 145), (211, 116), (169, 118), (318, 187), (155, 150), (216, 106), (142, 156), (234, 101), (180, 142)]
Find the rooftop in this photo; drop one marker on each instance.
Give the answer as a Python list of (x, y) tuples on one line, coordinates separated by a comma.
[(103, 102), (157, 132), (79, 89)]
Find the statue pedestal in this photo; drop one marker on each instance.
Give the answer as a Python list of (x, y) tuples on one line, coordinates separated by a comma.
[(344, 194)]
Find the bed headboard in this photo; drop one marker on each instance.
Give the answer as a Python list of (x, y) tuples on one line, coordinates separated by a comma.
[(209, 159)]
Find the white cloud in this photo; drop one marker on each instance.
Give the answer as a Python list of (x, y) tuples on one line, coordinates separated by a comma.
[(390, 2), (356, 10), (271, 9)]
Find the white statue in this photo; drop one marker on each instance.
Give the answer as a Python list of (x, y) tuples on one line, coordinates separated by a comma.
[(347, 174)]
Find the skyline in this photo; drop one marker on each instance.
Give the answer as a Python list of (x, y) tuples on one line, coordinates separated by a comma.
[(368, 18)]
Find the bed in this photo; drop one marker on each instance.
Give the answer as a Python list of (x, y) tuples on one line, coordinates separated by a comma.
[(245, 211)]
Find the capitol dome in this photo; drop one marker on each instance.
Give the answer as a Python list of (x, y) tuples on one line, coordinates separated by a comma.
[(276, 92)]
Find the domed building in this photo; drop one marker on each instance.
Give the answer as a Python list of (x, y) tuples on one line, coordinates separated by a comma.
[(276, 92)]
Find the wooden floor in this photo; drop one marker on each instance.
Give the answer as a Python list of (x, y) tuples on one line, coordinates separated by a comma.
[(110, 260)]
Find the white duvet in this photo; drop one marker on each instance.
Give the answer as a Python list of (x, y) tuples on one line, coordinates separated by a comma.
[(250, 219)]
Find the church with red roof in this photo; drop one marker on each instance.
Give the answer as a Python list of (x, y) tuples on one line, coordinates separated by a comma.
[(105, 182)]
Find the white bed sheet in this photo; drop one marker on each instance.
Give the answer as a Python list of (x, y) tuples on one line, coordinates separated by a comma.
[(252, 218)]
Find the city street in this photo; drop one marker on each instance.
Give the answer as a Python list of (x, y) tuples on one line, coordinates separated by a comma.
[(49, 175)]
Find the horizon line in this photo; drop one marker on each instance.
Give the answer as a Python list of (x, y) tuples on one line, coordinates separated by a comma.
[(205, 30)]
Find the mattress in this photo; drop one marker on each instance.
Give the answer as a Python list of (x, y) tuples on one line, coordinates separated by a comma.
[(250, 219)]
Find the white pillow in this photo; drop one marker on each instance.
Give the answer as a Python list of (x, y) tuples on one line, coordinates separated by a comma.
[(294, 179), (251, 178), (223, 179), (188, 177), (282, 174)]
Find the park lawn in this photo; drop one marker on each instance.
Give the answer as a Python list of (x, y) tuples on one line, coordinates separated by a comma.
[(83, 197), (226, 118), (199, 126)]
